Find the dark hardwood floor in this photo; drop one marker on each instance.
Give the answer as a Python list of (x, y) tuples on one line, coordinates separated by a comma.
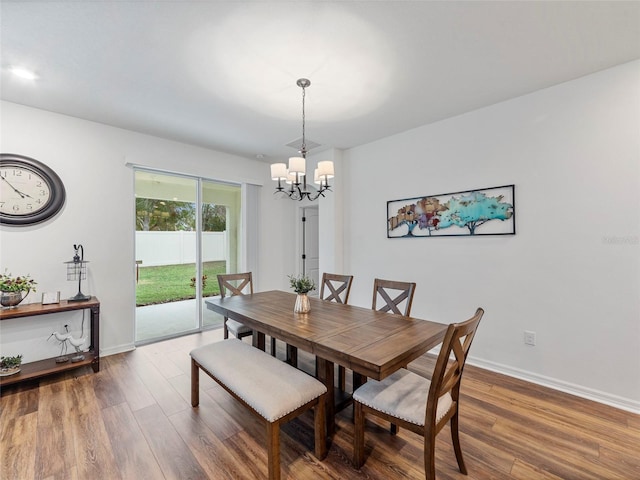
[(133, 420)]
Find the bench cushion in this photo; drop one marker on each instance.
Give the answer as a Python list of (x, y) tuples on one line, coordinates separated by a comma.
[(271, 387)]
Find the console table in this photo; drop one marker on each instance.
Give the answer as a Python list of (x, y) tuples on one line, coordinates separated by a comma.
[(41, 368)]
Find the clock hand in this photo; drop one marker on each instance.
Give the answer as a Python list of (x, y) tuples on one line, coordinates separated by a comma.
[(16, 190)]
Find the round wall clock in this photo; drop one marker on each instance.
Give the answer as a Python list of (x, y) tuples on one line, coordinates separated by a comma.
[(30, 192)]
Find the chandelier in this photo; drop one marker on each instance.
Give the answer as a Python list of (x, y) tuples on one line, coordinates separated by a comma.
[(295, 176)]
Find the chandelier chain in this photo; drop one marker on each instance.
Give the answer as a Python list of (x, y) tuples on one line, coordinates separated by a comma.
[(303, 148)]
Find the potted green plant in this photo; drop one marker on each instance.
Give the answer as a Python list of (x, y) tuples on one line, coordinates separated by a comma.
[(10, 365), (302, 285), (14, 289)]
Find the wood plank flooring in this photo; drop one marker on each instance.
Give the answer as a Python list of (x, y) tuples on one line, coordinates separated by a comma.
[(133, 420)]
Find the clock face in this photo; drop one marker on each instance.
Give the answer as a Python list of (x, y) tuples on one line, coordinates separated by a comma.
[(23, 191), (30, 192)]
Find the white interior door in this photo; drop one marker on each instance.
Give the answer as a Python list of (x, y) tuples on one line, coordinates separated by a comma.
[(311, 247)]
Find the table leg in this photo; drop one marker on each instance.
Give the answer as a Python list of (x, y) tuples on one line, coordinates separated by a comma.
[(358, 380), (258, 340), (292, 355), (325, 373)]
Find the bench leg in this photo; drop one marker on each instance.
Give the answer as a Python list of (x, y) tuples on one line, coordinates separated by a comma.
[(320, 428), (273, 450), (195, 383)]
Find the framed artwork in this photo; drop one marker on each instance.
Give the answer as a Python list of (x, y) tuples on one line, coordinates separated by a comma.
[(487, 211)]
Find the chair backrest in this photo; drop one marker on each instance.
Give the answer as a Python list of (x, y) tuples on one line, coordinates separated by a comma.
[(235, 283), (403, 292), (337, 286), (448, 371)]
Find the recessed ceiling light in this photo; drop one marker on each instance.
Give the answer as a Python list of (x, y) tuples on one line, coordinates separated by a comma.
[(23, 73)]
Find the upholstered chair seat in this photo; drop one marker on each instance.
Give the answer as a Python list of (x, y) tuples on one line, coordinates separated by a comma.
[(238, 329), (402, 395)]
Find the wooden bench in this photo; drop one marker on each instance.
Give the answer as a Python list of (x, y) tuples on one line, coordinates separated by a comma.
[(273, 390)]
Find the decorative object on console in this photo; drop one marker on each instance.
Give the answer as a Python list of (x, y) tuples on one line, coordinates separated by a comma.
[(49, 298), (77, 270), (14, 290), (472, 212), (10, 365), (31, 191), (302, 285), (76, 343), (296, 175), (62, 338)]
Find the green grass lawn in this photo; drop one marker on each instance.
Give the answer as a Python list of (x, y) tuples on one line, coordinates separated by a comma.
[(168, 283)]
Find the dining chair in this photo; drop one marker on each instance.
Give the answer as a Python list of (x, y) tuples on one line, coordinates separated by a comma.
[(235, 284), (421, 405), (337, 289), (388, 296), (402, 296)]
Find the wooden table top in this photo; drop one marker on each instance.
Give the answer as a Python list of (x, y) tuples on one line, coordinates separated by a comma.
[(371, 343)]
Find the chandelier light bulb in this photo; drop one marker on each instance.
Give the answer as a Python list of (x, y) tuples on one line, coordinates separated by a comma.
[(279, 171), (297, 165), (325, 169), (291, 178)]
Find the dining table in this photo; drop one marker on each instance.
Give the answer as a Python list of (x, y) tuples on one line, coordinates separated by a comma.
[(372, 344)]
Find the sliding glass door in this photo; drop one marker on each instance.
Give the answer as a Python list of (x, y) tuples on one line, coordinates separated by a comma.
[(187, 232), (221, 234)]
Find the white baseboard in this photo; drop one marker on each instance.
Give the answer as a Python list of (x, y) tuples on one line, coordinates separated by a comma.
[(622, 403), (127, 347)]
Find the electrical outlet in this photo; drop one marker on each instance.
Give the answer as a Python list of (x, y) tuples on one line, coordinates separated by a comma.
[(529, 338)]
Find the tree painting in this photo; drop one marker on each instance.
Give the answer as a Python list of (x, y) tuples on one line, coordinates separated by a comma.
[(461, 213), (473, 210)]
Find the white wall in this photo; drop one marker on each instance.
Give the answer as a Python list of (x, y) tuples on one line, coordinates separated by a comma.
[(331, 218), (572, 271), (99, 213)]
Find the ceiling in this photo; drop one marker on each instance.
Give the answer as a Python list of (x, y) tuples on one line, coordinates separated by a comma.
[(222, 74)]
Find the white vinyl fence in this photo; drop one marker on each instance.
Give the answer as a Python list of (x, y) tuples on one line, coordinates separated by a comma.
[(174, 248)]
